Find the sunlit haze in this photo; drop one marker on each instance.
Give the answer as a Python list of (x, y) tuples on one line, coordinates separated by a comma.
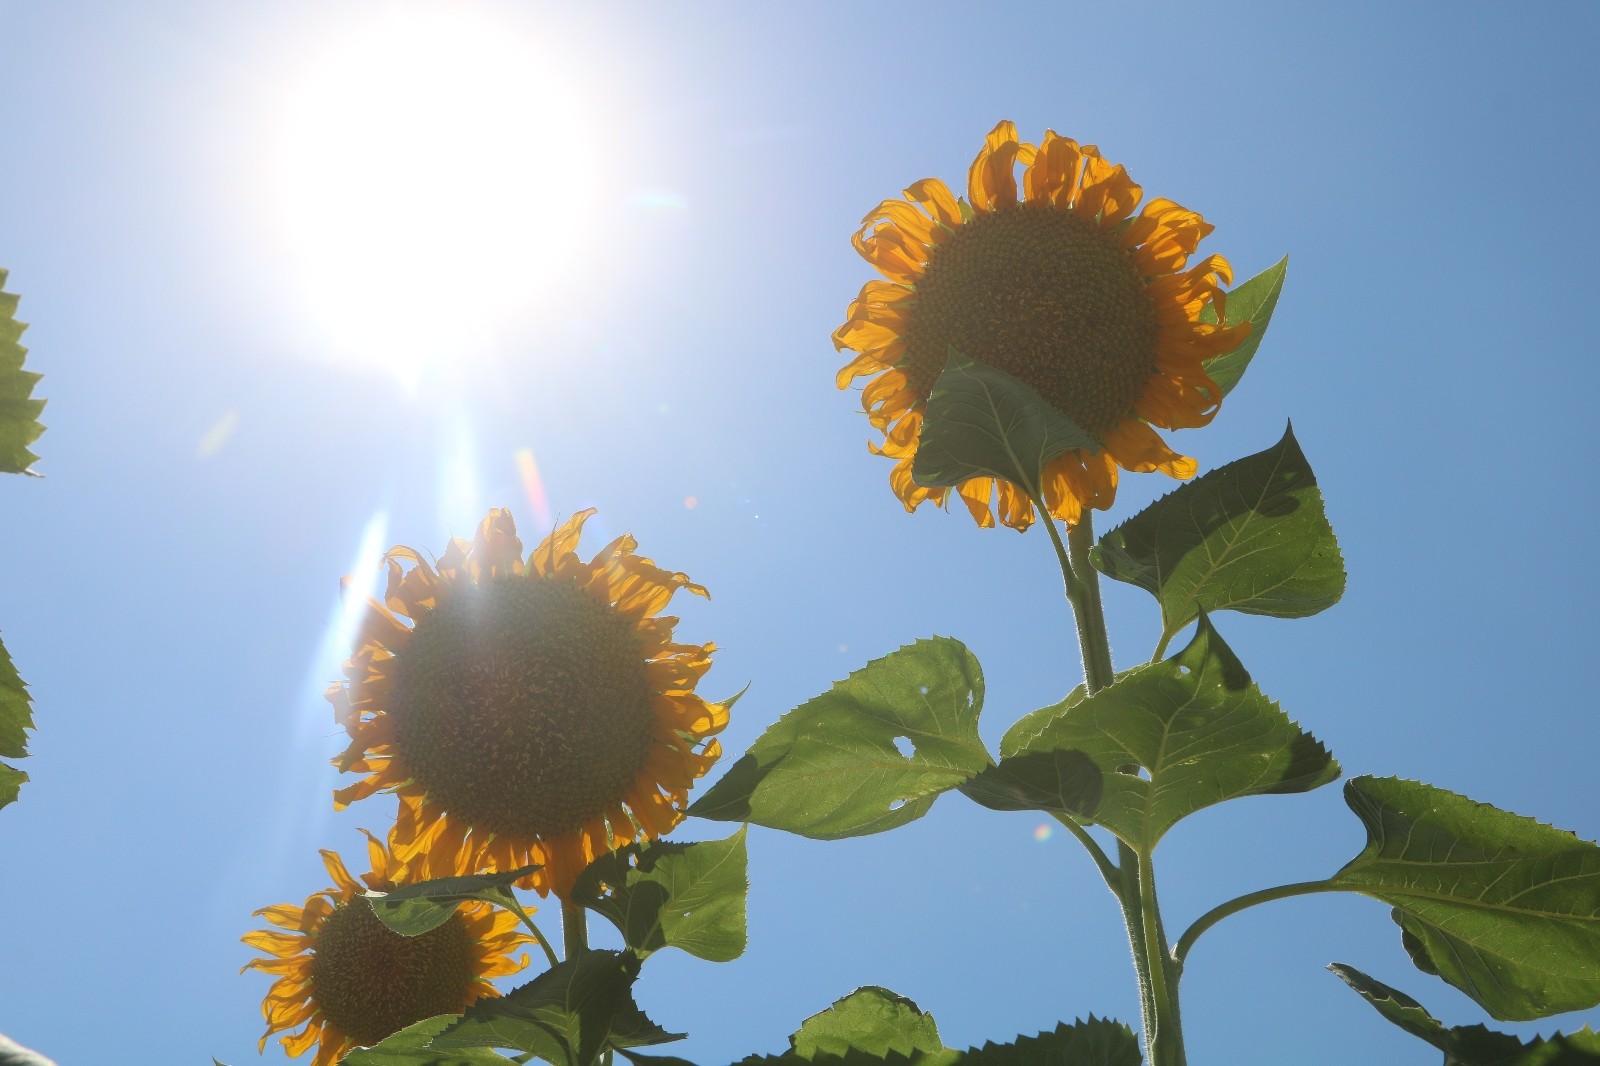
[(433, 170)]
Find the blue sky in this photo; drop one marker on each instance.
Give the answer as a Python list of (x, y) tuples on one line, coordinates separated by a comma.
[(219, 448)]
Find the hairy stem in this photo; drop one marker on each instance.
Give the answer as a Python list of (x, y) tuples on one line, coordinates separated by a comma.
[(527, 920), (1250, 899), (574, 930), (1154, 966)]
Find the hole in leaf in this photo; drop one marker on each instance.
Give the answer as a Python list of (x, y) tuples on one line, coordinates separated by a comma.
[(904, 746), (922, 689), (897, 804), (1184, 670)]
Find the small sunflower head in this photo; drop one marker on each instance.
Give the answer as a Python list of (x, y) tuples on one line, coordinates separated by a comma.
[(346, 979), (1057, 283)]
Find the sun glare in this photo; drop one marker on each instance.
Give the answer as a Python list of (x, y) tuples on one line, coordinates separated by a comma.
[(431, 182)]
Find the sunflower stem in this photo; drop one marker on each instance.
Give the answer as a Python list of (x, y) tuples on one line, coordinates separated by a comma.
[(574, 930), (538, 934), (1153, 963)]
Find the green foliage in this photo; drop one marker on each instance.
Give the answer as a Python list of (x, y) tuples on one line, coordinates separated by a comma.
[(566, 1016), (982, 422), (12, 1053), (1471, 1045), (1096, 1042), (16, 718), (19, 411), (1505, 908), (875, 1027), (409, 1047), (1250, 536), (830, 767), (415, 909), (871, 1019), (1060, 781), (1253, 302), (1195, 725), (689, 896)]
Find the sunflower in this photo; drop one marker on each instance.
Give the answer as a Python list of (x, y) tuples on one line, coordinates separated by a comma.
[(533, 712), (1063, 287), (349, 980)]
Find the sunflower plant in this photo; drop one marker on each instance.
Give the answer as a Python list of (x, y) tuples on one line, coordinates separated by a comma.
[(1023, 348)]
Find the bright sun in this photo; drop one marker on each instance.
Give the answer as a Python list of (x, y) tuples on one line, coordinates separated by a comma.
[(432, 176)]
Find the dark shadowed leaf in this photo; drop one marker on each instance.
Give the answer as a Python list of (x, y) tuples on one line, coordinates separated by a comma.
[(1253, 302), (1195, 725), (982, 422), (1505, 908), (830, 768), (416, 909), (409, 1047), (689, 896), (16, 718), (1250, 536), (1059, 781), (19, 411), (1471, 1045), (567, 1015)]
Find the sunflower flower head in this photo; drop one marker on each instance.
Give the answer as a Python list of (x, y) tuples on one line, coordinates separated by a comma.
[(527, 711), (346, 979), (1059, 282)]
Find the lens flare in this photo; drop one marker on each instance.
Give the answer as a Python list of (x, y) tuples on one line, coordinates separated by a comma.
[(533, 486)]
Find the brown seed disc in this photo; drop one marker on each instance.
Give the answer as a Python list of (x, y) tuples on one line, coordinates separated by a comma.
[(522, 707), (372, 982), (1045, 296)]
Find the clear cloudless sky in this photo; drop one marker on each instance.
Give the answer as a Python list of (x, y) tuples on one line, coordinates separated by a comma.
[(306, 279)]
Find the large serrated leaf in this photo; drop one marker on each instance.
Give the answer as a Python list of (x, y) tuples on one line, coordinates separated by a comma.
[(1195, 724), (409, 1047), (982, 422), (830, 768), (16, 718), (1471, 1045), (416, 909), (688, 896), (1505, 908), (19, 411), (1252, 302), (873, 1020), (1251, 536), (566, 1016), (1095, 1042)]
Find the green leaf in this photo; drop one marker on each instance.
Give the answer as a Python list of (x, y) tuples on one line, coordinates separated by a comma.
[(416, 909), (689, 896), (830, 767), (1505, 908), (1061, 781), (11, 1052), (872, 1020), (409, 1047), (1250, 536), (1252, 302), (1096, 1042), (567, 1015), (19, 411), (16, 718), (1176, 736), (1471, 1045), (982, 422)]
